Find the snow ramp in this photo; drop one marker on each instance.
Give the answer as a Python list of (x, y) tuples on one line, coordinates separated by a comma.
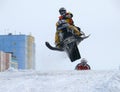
[(60, 81)]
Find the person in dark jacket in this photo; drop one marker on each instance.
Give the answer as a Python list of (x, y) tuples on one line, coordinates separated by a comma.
[(82, 65)]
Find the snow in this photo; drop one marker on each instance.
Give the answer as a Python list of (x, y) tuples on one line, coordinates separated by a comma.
[(60, 81)]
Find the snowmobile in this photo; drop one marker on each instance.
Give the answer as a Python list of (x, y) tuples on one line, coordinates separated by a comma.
[(68, 42)]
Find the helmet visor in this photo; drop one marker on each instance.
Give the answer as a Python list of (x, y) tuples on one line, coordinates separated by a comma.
[(63, 12)]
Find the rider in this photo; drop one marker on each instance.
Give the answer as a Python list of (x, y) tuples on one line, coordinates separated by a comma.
[(66, 17), (83, 65)]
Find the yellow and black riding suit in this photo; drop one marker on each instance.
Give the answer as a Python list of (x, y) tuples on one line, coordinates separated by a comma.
[(68, 19)]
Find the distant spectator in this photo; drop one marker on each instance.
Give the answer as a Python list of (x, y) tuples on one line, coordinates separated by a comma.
[(82, 65)]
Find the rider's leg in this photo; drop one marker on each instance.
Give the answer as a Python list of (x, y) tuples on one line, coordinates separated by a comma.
[(57, 38)]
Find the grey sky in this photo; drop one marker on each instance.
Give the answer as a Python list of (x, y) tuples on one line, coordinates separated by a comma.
[(100, 18)]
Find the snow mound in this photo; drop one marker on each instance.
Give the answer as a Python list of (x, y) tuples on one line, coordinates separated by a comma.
[(60, 81)]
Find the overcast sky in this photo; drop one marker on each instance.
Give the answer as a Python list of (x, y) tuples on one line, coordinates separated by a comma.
[(100, 18)]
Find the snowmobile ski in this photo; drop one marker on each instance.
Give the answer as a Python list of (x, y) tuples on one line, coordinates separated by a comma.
[(84, 37), (58, 49), (52, 48)]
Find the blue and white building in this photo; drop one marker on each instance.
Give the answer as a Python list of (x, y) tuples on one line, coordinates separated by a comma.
[(22, 48)]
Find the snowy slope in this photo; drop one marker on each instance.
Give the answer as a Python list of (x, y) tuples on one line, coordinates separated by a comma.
[(60, 81)]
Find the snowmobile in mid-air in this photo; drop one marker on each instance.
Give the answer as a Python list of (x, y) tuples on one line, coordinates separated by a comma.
[(68, 43)]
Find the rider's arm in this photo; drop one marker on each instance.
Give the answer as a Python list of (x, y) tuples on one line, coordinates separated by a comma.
[(69, 15)]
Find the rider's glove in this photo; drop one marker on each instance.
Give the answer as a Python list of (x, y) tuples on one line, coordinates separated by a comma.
[(68, 16)]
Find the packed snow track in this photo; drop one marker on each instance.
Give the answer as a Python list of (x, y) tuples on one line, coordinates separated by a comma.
[(60, 81)]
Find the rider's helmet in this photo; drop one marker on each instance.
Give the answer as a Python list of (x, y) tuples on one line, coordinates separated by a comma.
[(83, 61), (62, 11)]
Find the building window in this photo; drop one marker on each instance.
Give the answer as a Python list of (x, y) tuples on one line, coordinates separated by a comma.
[(14, 43)]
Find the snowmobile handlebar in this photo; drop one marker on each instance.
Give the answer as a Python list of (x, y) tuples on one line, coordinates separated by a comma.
[(64, 25)]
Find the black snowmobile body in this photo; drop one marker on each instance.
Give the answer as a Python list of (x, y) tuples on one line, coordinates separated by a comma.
[(68, 41), (69, 44)]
